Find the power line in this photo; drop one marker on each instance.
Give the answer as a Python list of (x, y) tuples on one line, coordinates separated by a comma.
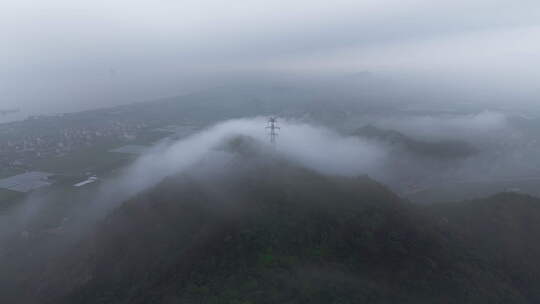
[(272, 127)]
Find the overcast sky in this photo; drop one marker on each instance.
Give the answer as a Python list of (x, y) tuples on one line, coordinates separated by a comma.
[(77, 54)]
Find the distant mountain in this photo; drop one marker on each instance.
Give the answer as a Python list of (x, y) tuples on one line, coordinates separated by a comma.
[(444, 149), (9, 111), (262, 230)]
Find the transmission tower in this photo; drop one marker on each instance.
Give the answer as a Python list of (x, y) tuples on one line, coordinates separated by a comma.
[(272, 129)]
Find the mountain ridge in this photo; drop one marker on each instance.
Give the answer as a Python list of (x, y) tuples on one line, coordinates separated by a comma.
[(265, 230)]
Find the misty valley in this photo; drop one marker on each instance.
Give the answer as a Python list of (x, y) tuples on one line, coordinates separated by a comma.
[(192, 200), (270, 152)]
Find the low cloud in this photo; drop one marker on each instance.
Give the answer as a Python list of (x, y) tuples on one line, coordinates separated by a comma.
[(314, 147), (449, 127)]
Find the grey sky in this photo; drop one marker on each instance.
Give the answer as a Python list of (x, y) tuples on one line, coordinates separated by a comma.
[(61, 54)]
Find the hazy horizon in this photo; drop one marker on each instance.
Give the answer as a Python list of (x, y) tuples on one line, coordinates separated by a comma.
[(63, 56)]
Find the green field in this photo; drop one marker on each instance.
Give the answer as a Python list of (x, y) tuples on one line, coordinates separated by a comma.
[(8, 198), (149, 137), (73, 168), (96, 160)]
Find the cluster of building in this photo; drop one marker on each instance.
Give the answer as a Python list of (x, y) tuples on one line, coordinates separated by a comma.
[(18, 151)]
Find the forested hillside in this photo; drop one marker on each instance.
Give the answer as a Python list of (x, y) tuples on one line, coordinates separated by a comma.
[(267, 231)]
